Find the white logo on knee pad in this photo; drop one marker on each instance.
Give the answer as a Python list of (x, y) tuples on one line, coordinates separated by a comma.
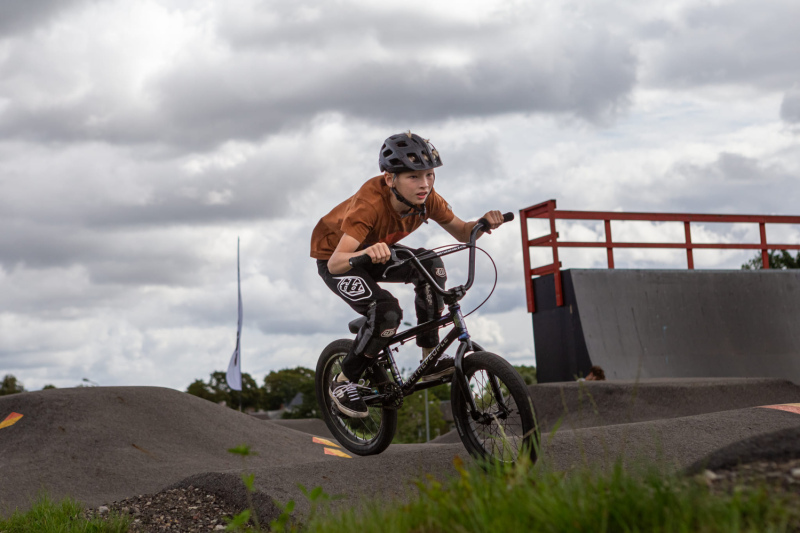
[(440, 272), (388, 332), (353, 288)]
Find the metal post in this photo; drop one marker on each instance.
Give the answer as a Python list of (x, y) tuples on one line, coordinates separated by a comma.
[(689, 252), (427, 421), (609, 243), (764, 253), (526, 260), (551, 207)]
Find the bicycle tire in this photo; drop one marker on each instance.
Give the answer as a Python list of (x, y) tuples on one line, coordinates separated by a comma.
[(362, 436), (503, 436)]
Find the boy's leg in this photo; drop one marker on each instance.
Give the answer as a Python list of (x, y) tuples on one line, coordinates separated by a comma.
[(359, 289), (428, 306), (427, 303)]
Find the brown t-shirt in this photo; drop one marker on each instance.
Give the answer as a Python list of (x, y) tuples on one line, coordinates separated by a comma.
[(368, 217)]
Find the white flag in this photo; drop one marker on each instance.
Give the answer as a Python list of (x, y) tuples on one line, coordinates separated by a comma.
[(234, 374)]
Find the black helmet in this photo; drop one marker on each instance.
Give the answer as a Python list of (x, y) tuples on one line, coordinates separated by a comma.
[(406, 152)]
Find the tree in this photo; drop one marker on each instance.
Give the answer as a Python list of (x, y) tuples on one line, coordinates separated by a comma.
[(411, 418), (10, 385), (217, 391), (309, 408), (528, 373), (778, 259), (282, 386)]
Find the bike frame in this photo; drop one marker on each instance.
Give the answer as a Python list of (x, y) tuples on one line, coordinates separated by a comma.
[(458, 332)]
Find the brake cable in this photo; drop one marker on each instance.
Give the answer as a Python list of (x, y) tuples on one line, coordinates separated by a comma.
[(494, 285)]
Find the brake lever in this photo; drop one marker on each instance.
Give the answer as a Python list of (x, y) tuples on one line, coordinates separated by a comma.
[(396, 262)]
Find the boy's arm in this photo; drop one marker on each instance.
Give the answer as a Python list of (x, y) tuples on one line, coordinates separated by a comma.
[(461, 230), (338, 263)]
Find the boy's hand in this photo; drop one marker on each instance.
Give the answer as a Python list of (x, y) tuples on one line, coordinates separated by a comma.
[(495, 219), (380, 253)]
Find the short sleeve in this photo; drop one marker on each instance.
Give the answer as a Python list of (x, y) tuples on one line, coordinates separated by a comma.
[(359, 220), (439, 210)]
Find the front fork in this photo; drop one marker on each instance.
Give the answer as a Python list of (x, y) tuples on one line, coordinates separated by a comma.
[(466, 344), (461, 378)]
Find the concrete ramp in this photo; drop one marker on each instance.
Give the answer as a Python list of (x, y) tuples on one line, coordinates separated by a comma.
[(669, 323), (675, 442), (591, 404)]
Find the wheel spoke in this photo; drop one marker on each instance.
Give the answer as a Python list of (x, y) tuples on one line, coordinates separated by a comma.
[(501, 436), (359, 430)]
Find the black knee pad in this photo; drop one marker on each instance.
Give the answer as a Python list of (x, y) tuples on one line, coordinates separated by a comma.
[(383, 319)]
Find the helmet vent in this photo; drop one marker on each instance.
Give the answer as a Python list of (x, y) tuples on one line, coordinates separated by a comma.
[(387, 153), (402, 144)]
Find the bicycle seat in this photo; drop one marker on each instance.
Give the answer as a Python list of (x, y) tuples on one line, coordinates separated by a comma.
[(356, 324)]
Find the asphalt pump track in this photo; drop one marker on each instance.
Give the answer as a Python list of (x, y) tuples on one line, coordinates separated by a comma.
[(103, 444)]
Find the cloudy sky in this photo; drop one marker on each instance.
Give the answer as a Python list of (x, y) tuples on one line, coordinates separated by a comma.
[(139, 139)]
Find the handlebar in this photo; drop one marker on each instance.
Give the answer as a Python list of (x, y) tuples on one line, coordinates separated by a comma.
[(456, 293)]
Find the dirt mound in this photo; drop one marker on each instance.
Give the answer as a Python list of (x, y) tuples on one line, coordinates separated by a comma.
[(100, 444)]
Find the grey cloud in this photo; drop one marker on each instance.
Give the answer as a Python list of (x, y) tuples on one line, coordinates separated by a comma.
[(736, 168), (156, 258), (200, 102), (731, 43), (594, 85), (731, 184), (17, 17), (790, 106), (91, 194)]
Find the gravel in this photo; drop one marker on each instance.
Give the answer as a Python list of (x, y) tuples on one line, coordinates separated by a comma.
[(190, 509), (204, 502), (778, 477), (206, 508)]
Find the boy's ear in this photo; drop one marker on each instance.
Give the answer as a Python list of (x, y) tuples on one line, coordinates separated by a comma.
[(387, 177)]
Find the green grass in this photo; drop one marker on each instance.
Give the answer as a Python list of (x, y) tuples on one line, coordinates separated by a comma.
[(535, 499), (47, 516), (523, 498)]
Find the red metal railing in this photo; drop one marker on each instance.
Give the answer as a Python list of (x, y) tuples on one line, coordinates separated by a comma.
[(547, 210)]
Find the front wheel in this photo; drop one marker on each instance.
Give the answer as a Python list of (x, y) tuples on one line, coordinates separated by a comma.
[(504, 426), (362, 436)]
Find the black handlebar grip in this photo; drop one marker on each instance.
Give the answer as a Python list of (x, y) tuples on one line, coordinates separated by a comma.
[(360, 260), (507, 217)]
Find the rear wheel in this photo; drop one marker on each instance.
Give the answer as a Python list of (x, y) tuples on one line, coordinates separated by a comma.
[(504, 429), (362, 436)]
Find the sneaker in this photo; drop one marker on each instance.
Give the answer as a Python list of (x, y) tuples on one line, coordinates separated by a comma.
[(347, 397), (443, 367)]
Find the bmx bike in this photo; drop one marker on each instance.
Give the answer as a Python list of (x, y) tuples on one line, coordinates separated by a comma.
[(492, 408)]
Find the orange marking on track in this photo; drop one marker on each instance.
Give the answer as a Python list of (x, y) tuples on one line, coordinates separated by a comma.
[(10, 420), (337, 453), (325, 442), (788, 407)]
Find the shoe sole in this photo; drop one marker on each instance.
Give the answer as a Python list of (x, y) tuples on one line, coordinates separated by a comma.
[(345, 411)]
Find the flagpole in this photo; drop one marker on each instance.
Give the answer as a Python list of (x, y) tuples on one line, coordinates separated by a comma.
[(239, 333), (234, 374)]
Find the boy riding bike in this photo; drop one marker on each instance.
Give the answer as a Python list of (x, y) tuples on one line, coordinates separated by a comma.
[(386, 209)]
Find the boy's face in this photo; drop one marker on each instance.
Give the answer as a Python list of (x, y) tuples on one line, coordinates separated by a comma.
[(414, 186)]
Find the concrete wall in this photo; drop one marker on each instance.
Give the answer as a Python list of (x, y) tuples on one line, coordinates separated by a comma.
[(670, 323)]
